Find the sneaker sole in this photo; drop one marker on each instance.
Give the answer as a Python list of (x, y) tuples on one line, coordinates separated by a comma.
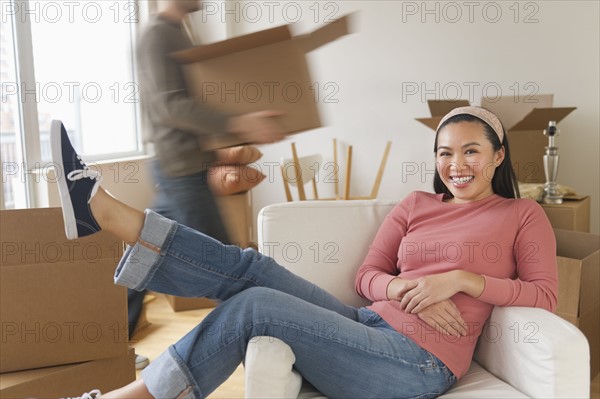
[(63, 190)]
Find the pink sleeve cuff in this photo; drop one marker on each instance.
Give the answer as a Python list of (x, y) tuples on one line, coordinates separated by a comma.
[(379, 287), (495, 291)]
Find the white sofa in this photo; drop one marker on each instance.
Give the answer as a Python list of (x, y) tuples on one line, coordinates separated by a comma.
[(523, 353)]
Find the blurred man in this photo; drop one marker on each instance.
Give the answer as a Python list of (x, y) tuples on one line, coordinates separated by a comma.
[(179, 125)]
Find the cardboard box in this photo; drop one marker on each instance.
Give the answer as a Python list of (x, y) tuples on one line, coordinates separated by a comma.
[(578, 288), (180, 304), (58, 302), (69, 380), (570, 215), (236, 211), (260, 71), (438, 109), (525, 118)]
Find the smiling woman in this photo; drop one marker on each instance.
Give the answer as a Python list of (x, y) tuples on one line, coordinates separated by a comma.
[(473, 157)]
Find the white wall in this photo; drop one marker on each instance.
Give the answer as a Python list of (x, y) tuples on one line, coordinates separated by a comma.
[(533, 48)]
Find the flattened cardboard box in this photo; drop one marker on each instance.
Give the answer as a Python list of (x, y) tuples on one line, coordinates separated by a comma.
[(260, 71), (69, 380), (58, 302), (578, 289)]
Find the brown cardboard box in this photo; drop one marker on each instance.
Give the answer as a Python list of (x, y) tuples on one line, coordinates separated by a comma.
[(438, 109), (570, 215), (69, 380), (525, 119), (578, 289), (58, 302), (260, 71), (236, 211), (179, 304)]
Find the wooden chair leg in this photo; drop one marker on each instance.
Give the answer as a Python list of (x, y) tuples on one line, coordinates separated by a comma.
[(377, 183), (348, 174), (336, 165), (286, 187), (299, 181)]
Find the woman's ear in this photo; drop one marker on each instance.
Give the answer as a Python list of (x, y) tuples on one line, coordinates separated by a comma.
[(499, 156)]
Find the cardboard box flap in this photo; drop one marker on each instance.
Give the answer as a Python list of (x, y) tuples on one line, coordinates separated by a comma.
[(431, 122), (442, 107), (438, 109), (331, 31), (576, 244), (512, 109), (233, 45), (324, 34), (538, 118)]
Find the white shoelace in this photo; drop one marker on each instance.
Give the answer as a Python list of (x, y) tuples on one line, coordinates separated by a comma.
[(86, 172), (94, 394)]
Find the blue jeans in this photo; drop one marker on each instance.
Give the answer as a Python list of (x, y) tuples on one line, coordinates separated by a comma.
[(343, 351), (189, 201)]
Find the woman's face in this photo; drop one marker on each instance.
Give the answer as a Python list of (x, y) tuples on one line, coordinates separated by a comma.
[(466, 161)]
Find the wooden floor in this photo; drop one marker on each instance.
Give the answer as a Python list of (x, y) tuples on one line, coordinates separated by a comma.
[(166, 327)]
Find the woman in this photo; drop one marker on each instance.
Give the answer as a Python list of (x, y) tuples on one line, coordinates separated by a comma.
[(436, 268)]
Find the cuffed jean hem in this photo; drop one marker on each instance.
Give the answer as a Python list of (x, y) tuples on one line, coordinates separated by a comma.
[(140, 261), (167, 378)]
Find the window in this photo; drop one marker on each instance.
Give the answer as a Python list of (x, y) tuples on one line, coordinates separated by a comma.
[(83, 74), (13, 193)]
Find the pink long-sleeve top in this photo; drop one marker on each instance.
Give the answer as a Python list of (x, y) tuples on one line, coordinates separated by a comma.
[(509, 242)]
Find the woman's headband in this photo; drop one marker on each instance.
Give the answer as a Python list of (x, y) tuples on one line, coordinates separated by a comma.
[(480, 113)]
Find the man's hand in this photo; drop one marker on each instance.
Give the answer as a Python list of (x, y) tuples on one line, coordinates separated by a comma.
[(257, 127), (444, 317)]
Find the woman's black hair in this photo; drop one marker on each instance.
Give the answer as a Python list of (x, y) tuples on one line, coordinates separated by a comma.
[(504, 182)]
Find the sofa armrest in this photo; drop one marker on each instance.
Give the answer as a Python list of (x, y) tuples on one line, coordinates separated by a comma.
[(536, 352)]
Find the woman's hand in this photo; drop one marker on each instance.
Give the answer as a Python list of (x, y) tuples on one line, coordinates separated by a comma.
[(398, 286), (429, 290), (445, 318)]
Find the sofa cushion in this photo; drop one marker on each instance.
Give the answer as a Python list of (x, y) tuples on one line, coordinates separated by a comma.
[(479, 383), (308, 240), (476, 384)]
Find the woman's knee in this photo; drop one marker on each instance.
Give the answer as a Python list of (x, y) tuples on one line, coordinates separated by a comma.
[(258, 294), (259, 300)]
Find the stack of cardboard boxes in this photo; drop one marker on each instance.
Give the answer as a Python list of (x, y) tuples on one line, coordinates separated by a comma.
[(63, 321)]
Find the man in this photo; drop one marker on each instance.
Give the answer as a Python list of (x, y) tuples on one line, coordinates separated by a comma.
[(179, 125)]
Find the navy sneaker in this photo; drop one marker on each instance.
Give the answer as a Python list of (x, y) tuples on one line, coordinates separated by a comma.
[(77, 184)]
